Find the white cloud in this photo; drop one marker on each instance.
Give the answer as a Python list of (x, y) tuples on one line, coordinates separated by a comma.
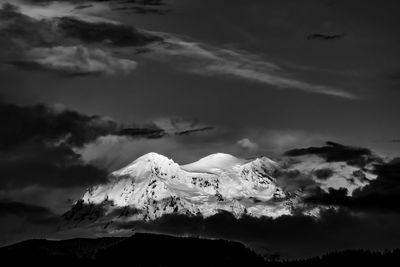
[(80, 60), (47, 10), (247, 144), (273, 143), (208, 60)]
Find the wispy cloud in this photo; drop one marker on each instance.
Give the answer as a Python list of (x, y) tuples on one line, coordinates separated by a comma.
[(80, 60), (53, 9), (209, 60)]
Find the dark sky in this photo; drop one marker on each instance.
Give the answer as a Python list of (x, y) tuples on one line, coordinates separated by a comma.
[(242, 77)]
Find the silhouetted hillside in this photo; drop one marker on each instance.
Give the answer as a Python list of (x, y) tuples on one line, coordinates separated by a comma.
[(161, 250), (346, 258), (138, 250)]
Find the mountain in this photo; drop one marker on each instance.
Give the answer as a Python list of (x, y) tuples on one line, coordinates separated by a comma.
[(154, 185)]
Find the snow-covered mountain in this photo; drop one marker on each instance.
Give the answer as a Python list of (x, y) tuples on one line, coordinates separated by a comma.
[(154, 185)]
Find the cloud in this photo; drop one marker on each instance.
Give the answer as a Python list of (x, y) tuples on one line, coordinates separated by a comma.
[(247, 144), (22, 124), (84, 7), (37, 146), (324, 37), (114, 152), (381, 194), (274, 142), (195, 130), (104, 32), (79, 60), (56, 199), (316, 171), (329, 174), (42, 10), (149, 132), (70, 52), (54, 166), (163, 127), (68, 45), (181, 126), (334, 152), (34, 214), (212, 61)]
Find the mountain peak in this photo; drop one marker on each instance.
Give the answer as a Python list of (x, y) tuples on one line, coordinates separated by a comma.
[(151, 156), (147, 162)]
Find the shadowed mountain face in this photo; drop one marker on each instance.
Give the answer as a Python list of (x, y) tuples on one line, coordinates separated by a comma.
[(160, 250)]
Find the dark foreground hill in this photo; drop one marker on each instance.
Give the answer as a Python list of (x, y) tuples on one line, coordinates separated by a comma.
[(161, 250), (137, 250)]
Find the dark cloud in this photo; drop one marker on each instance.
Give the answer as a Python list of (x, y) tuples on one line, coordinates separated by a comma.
[(294, 180), (37, 146), (334, 152), (196, 130), (165, 127), (33, 214), (43, 165), (324, 37), (102, 32), (323, 174), (143, 132), (21, 31), (64, 44), (43, 124)]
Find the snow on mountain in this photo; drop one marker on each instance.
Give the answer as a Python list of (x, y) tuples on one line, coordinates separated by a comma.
[(214, 163), (154, 185)]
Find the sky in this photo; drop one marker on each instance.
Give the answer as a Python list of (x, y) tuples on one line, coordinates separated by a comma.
[(89, 86)]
